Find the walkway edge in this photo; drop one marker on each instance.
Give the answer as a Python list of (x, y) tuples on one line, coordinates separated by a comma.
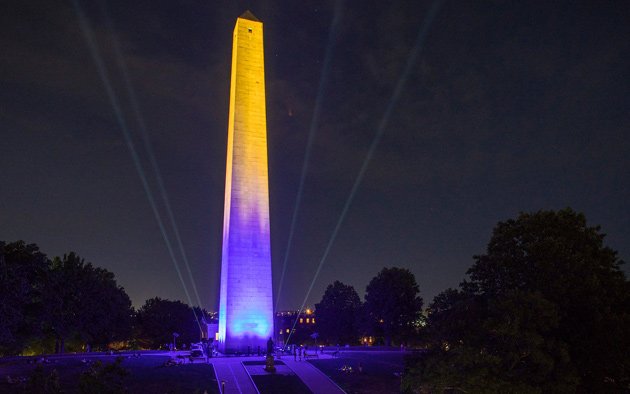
[(217, 378), (250, 377)]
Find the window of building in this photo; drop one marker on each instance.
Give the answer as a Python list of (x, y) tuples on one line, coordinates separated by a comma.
[(308, 320)]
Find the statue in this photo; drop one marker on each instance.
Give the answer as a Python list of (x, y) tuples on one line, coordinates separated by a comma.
[(269, 347), (269, 367)]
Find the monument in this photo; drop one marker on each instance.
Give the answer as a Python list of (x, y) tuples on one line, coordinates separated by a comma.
[(246, 305)]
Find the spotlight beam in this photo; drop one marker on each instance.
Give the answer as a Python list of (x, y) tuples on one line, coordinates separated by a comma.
[(402, 80), (90, 40), (332, 34), (149, 149)]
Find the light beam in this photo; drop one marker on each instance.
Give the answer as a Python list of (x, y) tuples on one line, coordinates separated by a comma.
[(332, 34), (149, 149), (402, 80), (102, 72)]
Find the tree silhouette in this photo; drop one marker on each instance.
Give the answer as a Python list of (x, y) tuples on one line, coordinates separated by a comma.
[(393, 304), (85, 301), (22, 273), (158, 319), (337, 314), (546, 308)]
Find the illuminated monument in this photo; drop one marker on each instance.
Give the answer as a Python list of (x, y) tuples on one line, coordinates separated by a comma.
[(246, 306)]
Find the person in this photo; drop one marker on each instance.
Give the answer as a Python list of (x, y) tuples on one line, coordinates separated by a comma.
[(300, 353), (294, 353), (205, 346)]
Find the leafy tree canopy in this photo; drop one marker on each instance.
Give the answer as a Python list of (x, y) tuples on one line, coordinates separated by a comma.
[(337, 314), (546, 309), (63, 298), (158, 319), (393, 303), (85, 300), (22, 271)]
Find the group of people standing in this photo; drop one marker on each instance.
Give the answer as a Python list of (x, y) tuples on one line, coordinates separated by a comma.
[(300, 351)]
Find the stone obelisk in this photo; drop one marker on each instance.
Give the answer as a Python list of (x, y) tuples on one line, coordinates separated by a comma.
[(246, 305)]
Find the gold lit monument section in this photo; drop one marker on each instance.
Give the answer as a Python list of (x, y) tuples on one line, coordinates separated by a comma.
[(246, 305)]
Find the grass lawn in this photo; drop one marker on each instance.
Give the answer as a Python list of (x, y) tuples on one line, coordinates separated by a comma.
[(147, 374), (379, 375), (280, 384)]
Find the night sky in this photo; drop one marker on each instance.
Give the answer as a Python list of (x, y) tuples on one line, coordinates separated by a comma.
[(511, 106)]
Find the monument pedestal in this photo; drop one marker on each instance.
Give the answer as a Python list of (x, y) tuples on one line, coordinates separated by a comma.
[(269, 365)]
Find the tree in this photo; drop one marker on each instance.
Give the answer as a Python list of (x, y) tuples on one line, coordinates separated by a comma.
[(482, 344), (337, 314), (557, 255), (393, 304), (22, 271), (158, 319), (63, 298), (546, 309), (84, 301)]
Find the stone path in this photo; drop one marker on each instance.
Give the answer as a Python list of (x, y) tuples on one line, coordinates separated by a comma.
[(237, 380), (231, 371)]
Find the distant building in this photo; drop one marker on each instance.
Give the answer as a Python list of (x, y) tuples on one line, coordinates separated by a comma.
[(211, 324), (297, 329), (212, 332)]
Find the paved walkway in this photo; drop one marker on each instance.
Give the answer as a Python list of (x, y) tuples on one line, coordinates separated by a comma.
[(231, 371), (315, 379), (237, 380), (228, 370)]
